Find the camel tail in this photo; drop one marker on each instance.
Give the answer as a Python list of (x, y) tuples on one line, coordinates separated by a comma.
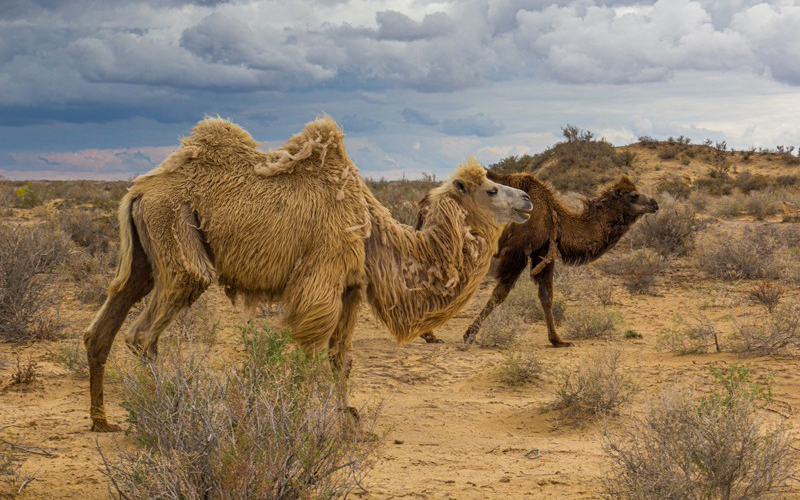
[(127, 232)]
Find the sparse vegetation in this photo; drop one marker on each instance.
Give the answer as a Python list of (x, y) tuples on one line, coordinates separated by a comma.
[(591, 323), (748, 255), (692, 338), (272, 428), (24, 373), (670, 231), (766, 294), (72, 356), (520, 366), (778, 333), (29, 256), (638, 269), (599, 385), (709, 447)]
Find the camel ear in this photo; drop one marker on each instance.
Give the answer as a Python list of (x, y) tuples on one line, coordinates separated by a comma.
[(460, 185)]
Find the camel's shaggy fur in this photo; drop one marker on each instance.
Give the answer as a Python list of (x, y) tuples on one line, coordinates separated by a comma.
[(298, 225), (556, 230)]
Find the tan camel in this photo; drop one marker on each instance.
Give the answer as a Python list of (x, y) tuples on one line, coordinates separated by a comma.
[(297, 225), (555, 229)]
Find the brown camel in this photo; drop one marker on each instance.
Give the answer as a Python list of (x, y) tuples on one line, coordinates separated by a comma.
[(555, 229), (297, 225)]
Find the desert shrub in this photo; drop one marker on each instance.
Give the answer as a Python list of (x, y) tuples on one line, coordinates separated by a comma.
[(751, 254), (603, 290), (668, 153), (787, 180), (714, 447), (779, 333), (670, 231), (89, 229), (676, 187), (638, 269), (591, 323), (599, 385), (503, 327), (691, 338), (766, 294), (72, 356), (27, 196), (747, 182), (29, 256), (401, 197), (520, 366), (271, 428), (196, 323), (728, 206), (760, 204)]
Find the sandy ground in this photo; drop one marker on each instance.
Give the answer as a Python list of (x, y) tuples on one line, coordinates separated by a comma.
[(452, 429)]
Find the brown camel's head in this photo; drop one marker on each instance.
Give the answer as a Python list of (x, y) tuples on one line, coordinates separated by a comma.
[(636, 202), (502, 203)]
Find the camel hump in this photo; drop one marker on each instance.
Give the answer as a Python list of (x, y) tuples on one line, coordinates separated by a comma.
[(218, 132), (320, 139)]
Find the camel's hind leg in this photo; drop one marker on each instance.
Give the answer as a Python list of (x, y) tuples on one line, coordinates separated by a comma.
[(509, 267), (545, 281), (166, 301), (100, 335)]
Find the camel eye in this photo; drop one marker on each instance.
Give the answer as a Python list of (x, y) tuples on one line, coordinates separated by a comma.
[(492, 191)]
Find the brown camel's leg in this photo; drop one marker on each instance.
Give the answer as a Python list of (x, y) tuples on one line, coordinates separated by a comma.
[(509, 267), (545, 281), (341, 341), (100, 335)]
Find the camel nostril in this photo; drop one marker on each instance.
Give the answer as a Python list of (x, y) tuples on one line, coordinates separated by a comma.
[(526, 198)]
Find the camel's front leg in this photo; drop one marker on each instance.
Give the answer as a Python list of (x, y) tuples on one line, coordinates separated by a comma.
[(499, 294), (430, 338)]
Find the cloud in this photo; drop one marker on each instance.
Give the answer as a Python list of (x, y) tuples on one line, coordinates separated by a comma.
[(417, 117), (397, 26), (359, 123), (478, 124)]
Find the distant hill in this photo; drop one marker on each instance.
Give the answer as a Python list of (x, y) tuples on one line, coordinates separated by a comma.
[(582, 163)]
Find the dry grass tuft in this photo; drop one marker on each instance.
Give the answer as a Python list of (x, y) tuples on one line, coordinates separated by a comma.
[(695, 338), (72, 356), (599, 385), (273, 427), (712, 447)]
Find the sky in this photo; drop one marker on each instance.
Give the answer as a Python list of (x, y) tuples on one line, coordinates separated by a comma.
[(105, 89)]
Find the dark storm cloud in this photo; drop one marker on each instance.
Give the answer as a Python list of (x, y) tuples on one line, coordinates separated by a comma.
[(359, 123)]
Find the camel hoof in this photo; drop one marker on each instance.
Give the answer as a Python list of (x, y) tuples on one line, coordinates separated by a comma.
[(104, 426), (430, 338), (469, 338), (561, 343)]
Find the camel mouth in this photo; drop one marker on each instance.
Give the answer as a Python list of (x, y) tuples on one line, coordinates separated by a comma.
[(522, 215)]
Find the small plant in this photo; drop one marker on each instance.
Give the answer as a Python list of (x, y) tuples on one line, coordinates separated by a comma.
[(591, 323), (27, 197), (766, 294), (520, 366), (598, 386), (73, 357), (632, 334), (24, 374), (604, 291), (706, 447)]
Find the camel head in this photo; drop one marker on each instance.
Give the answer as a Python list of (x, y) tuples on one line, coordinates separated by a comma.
[(636, 203), (476, 192)]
